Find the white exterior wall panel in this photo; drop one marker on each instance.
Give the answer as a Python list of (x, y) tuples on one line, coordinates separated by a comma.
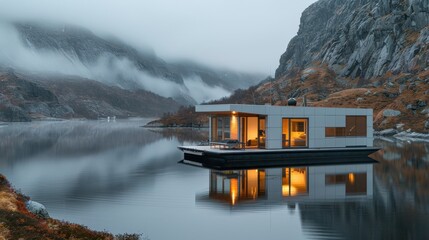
[(319, 119)]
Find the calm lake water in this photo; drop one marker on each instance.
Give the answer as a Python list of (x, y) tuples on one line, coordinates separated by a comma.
[(120, 177)]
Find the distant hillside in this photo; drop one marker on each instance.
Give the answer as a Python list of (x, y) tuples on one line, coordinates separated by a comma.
[(89, 76), (356, 53), (77, 51), (26, 97)]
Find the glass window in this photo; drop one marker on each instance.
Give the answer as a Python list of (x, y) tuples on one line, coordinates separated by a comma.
[(294, 132), (285, 133), (298, 133), (261, 132), (355, 125), (214, 129), (361, 126), (335, 132), (226, 127)]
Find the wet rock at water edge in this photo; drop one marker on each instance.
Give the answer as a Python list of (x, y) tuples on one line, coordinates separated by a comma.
[(387, 132)]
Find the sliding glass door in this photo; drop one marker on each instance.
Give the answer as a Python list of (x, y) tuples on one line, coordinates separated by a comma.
[(294, 132)]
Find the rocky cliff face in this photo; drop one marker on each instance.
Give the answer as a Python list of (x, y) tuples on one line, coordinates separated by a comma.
[(360, 53), (361, 38), (356, 53)]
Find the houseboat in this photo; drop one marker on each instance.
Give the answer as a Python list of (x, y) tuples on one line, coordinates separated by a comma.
[(243, 135)]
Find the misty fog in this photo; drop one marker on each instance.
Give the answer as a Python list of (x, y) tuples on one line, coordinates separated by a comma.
[(108, 69), (240, 35), (248, 36)]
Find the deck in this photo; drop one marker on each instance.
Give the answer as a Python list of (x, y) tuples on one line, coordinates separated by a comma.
[(207, 156)]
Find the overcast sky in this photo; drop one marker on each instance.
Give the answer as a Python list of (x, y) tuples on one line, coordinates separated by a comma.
[(245, 35)]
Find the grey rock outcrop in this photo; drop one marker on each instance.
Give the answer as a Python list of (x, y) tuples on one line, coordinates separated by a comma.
[(361, 38), (386, 132), (391, 113), (37, 209)]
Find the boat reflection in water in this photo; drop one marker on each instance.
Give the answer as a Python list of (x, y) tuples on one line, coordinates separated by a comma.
[(290, 184)]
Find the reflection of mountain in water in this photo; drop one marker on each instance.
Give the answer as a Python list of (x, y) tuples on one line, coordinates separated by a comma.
[(399, 208), (184, 134), (373, 219), (62, 161), (78, 138), (404, 172)]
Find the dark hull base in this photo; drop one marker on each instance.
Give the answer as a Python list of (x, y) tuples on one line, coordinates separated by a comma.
[(244, 160)]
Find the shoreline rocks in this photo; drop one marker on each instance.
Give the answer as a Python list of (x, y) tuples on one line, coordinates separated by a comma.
[(402, 135)]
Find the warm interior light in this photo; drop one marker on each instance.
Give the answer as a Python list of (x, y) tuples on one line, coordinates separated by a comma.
[(234, 190), (234, 127), (252, 183), (287, 188), (351, 178), (294, 182), (234, 112)]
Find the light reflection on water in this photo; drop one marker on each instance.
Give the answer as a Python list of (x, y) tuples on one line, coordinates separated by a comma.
[(123, 178)]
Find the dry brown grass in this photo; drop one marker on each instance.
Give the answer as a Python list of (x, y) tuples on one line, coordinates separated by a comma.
[(8, 201), (411, 37), (4, 232)]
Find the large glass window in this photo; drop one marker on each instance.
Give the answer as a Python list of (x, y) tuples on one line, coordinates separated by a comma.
[(294, 132), (261, 132), (249, 131), (355, 127), (285, 133), (335, 131), (221, 128), (214, 133)]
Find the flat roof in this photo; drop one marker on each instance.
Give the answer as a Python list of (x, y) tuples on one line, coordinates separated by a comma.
[(280, 110)]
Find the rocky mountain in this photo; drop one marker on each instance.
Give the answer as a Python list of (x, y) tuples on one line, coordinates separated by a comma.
[(77, 51), (24, 97), (355, 53), (80, 74), (361, 38)]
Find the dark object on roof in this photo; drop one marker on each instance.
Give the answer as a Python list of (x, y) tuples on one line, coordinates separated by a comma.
[(291, 102)]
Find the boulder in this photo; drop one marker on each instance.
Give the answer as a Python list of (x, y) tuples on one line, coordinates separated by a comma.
[(307, 72), (391, 113), (37, 209), (411, 107), (388, 132), (421, 103)]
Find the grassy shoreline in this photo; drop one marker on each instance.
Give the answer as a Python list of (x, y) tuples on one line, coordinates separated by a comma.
[(16, 222)]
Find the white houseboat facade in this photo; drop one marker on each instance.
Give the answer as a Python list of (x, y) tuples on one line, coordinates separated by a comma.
[(283, 127)]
